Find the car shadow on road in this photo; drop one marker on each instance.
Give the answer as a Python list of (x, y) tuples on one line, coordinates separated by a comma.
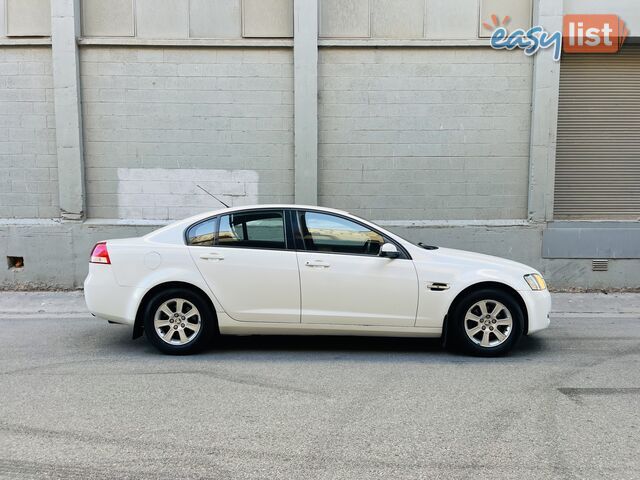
[(530, 345), (247, 346), (357, 344), (327, 343)]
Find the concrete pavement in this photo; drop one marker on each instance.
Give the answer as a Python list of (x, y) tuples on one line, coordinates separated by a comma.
[(81, 400), (43, 304)]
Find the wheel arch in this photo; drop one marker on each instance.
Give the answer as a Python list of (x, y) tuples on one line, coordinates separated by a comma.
[(138, 326), (480, 286)]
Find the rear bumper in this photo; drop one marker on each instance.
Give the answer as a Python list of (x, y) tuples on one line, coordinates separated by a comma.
[(538, 309), (106, 299)]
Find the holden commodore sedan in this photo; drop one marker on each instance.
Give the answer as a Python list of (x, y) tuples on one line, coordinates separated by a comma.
[(297, 270)]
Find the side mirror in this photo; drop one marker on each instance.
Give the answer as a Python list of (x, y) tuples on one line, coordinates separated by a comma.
[(389, 250)]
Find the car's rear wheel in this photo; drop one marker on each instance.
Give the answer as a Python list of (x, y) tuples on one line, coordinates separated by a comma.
[(487, 322), (178, 321)]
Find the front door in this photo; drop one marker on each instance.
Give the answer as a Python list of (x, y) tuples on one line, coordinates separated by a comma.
[(344, 281), (244, 259)]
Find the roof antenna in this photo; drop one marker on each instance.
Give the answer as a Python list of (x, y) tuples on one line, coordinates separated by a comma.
[(211, 194)]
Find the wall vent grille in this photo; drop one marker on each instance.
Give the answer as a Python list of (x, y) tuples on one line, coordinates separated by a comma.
[(600, 265)]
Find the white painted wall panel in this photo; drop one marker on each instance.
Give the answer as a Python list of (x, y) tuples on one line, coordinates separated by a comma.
[(3, 8), (520, 13), (397, 18), (267, 18), (451, 20), (162, 18), (172, 193), (344, 18), (107, 18), (28, 17), (215, 19)]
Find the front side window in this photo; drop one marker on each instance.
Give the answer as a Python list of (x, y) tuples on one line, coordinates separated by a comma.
[(258, 229), (323, 232)]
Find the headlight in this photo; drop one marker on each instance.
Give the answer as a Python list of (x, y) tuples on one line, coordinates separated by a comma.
[(535, 281)]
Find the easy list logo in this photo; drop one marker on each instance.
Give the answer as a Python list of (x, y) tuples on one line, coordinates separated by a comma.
[(581, 34)]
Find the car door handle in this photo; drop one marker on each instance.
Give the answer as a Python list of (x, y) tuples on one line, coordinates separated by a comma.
[(317, 264), (212, 256)]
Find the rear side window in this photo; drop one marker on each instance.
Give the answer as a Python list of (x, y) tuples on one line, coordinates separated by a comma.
[(257, 229), (202, 234)]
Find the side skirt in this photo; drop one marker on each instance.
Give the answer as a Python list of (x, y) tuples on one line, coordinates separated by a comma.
[(228, 326)]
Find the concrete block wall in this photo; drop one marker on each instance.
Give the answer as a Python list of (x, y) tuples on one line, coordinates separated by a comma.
[(55, 253), (178, 110), (28, 185), (424, 134)]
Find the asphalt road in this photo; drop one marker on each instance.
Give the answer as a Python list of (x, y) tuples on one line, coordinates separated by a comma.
[(80, 400)]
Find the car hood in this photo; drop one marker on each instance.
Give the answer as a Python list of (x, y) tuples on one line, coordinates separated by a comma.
[(462, 261)]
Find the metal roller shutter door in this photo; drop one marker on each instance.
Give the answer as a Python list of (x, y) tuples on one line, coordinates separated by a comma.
[(598, 148)]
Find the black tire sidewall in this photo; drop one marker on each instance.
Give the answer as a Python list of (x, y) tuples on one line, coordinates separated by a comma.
[(461, 340), (206, 329)]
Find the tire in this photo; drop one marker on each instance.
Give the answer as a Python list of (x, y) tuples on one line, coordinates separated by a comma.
[(486, 323), (178, 321)]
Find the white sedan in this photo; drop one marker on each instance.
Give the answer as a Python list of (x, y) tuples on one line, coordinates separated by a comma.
[(297, 270)]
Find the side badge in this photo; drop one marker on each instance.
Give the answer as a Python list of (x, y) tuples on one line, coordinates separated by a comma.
[(437, 286)]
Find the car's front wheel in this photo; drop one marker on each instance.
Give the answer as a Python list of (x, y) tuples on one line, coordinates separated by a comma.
[(487, 322), (178, 322)]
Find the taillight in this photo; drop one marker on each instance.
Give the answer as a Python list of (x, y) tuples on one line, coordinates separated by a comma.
[(100, 254)]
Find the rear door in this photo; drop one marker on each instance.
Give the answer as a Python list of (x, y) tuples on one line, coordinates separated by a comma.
[(343, 279), (246, 259)]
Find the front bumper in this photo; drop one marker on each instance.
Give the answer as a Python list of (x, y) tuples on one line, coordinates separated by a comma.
[(538, 305)]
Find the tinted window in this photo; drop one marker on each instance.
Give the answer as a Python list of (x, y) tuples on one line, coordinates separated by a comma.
[(328, 233), (202, 234), (252, 229)]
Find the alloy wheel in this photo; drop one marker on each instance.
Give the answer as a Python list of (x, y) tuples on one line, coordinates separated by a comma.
[(177, 321), (488, 323)]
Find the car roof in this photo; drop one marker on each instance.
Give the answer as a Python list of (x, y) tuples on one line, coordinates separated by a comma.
[(262, 207), (269, 206)]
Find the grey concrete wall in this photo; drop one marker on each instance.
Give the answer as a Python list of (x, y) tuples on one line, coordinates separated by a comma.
[(29, 181), (422, 134), (71, 243), (523, 244), (157, 121), (55, 253)]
